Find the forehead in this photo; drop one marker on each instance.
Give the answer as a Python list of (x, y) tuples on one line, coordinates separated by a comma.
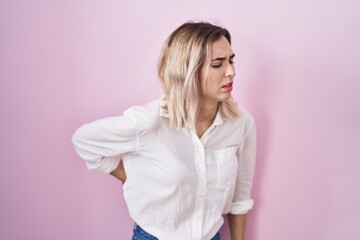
[(221, 48)]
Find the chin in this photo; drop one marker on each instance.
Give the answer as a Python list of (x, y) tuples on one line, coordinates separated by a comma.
[(219, 98), (225, 97)]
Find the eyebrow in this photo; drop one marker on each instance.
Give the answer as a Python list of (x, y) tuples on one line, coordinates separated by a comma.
[(223, 58)]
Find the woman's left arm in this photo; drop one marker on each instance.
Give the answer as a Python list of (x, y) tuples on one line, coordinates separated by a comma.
[(237, 226), (242, 201)]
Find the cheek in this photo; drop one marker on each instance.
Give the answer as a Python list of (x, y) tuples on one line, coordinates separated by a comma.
[(215, 75), (211, 87), (212, 81)]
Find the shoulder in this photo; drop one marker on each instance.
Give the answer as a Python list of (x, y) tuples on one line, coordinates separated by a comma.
[(245, 115), (244, 122), (146, 117)]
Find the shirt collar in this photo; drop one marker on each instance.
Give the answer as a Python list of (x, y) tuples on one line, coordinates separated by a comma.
[(218, 119), (164, 113)]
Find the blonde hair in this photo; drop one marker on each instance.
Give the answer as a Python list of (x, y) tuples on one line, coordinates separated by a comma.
[(179, 69)]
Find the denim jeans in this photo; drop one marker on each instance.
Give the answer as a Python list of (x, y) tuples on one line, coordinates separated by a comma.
[(141, 234)]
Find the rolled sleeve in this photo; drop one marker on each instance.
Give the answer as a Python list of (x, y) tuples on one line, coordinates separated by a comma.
[(103, 142), (104, 165), (242, 201), (241, 207)]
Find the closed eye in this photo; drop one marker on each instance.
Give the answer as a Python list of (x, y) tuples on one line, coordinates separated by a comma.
[(231, 61), (216, 66), (217, 62)]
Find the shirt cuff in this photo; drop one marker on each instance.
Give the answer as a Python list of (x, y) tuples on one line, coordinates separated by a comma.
[(241, 207), (105, 165)]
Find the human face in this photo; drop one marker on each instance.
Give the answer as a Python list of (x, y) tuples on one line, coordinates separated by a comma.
[(218, 72)]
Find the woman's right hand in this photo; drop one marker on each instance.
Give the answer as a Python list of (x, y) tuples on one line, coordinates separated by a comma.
[(119, 172)]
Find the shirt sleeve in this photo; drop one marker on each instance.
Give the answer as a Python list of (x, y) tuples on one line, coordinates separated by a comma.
[(103, 142), (242, 201)]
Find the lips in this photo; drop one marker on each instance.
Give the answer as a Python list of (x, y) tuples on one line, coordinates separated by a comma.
[(228, 87)]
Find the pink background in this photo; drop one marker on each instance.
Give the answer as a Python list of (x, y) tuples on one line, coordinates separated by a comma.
[(64, 63)]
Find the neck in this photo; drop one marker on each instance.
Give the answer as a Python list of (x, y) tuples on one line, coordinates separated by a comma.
[(206, 116), (207, 112)]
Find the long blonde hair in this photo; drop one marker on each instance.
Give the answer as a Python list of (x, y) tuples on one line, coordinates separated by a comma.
[(179, 69)]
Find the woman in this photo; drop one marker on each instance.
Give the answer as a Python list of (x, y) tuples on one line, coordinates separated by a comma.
[(188, 158)]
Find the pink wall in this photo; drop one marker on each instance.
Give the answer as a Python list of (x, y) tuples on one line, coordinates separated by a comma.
[(64, 63)]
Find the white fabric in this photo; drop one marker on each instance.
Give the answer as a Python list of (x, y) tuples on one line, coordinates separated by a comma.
[(178, 186)]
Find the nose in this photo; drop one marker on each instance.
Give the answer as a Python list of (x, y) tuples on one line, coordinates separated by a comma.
[(230, 70)]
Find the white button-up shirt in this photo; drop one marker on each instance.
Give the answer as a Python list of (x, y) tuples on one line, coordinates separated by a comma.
[(178, 185)]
